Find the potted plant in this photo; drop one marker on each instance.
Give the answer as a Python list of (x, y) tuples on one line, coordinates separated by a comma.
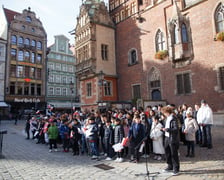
[(161, 54), (220, 36)]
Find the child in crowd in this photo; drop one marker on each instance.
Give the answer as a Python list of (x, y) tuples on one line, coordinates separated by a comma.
[(64, 133), (190, 129), (52, 135), (75, 136), (136, 135), (108, 140), (118, 137), (157, 138), (92, 134)]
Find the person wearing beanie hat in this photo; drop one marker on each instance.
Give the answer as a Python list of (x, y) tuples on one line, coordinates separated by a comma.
[(190, 129)]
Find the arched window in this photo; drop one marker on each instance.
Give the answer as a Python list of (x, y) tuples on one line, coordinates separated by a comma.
[(184, 34), (219, 18), (160, 41), (13, 39), (32, 60), (39, 45), (27, 41), (176, 37), (33, 43), (20, 41), (132, 57), (28, 19), (20, 56), (27, 56)]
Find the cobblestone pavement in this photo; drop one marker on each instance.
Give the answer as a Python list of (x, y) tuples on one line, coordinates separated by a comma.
[(24, 159)]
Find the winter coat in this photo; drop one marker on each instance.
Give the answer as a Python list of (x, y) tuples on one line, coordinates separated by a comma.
[(52, 132), (191, 127), (136, 133), (157, 136), (173, 130), (205, 115), (108, 135), (118, 133), (64, 131), (92, 132)]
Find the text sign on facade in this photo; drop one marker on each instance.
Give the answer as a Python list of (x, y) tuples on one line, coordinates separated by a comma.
[(27, 100)]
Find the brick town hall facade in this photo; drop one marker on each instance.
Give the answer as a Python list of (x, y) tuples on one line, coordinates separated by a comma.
[(151, 51)]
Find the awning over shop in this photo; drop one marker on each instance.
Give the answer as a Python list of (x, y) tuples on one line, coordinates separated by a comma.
[(3, 104)]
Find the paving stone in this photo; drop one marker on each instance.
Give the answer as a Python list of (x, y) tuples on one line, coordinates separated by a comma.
[(24, 159)]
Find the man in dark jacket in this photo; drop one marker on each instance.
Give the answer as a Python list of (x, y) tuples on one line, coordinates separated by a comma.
[(171, 141)]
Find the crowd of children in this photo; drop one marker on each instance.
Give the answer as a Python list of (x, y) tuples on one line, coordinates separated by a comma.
[(97, 133)]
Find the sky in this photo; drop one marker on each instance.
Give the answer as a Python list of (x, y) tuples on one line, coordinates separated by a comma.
[(58, 17)]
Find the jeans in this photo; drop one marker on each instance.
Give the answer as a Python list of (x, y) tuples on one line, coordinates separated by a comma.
[(206, 135), (94, 148)]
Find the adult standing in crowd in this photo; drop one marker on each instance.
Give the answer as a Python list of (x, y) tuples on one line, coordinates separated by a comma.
[(171, 141), (205, 121)]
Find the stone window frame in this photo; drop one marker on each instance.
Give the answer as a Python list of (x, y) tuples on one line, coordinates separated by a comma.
[(88, 89), (104, 52), (218, 87), (219, 9), (190, 83), (153, 76), (130, 57), (13, 39), (106, 86), (184, 33), (132, 88), (160, 39), (50, 91)]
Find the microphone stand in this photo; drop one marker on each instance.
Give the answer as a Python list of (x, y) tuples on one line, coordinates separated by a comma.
[(147, 174)]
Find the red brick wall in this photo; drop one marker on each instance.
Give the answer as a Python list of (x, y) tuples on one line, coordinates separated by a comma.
[(207, 54)]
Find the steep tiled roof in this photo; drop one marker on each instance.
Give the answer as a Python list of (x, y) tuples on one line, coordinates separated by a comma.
[(10, 14)]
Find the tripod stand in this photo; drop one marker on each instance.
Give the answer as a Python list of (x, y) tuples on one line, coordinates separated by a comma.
[(147, 174)]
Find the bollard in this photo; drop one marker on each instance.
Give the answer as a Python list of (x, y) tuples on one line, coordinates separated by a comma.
[(2, 132)]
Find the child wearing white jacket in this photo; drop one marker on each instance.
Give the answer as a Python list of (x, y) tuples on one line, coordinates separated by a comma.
[(157, 138), (190, 129)]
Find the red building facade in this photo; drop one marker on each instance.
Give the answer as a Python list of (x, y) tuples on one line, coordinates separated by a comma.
[(169, 50)]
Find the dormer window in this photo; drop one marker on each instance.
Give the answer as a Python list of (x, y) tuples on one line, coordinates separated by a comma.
[(28, 19)]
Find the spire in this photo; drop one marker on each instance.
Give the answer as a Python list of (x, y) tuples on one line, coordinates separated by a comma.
[(176, 10)]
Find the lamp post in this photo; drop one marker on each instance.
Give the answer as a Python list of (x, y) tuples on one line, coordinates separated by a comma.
[(101, 84), (71, 85)]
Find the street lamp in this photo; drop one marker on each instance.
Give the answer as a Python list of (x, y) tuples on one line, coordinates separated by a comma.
[(101, 83), (71, 85)]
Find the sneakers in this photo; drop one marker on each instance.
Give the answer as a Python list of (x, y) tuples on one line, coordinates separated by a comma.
[(155, 157), (159, 158), (94, 157), (168, 169), (108, 159), (120, 160), (145, 156), (50, 150), (55, 150), (175, 173), (116, 160)]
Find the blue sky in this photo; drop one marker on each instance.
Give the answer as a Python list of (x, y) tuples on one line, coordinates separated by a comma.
[(58, 17)]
